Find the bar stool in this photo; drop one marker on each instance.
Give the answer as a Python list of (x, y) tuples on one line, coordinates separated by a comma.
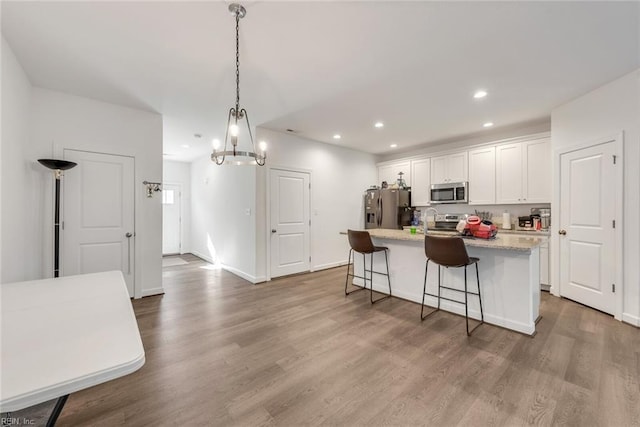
[(450, 252), (360, 242)]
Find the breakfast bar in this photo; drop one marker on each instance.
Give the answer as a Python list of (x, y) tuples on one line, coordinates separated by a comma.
[(509, 276)]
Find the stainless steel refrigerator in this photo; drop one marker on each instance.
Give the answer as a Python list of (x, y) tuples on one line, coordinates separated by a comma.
[(387, 208)]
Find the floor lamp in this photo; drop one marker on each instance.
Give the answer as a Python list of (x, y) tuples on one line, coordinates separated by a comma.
[(57, 166)]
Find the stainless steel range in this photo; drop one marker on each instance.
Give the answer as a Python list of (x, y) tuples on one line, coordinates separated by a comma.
[(448, 222)]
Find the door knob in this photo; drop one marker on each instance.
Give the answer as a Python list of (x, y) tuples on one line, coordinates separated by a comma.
[(562, 232), (128, 235), (273, 230)]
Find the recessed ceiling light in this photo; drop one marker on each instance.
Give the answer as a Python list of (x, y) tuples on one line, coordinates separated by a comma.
[(393, 145), (480, 94), (337, 136), (185, 146), (488, 124), (379, 125), (197, 135)]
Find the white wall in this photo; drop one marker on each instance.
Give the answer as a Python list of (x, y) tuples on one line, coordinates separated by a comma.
[(180, 173), (223, 233), (339, 177), (221, 230), (60, 121), (21, 179), (603, 113)]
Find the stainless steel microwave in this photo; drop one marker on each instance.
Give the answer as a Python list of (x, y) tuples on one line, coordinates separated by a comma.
[(451, 192)]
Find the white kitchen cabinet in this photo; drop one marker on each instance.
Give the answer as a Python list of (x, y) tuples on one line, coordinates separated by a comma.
[(537, 177), (449, 168), (482, 176), (420, 182), (544, 266), (389, 172), (523, 172), (509, 173)]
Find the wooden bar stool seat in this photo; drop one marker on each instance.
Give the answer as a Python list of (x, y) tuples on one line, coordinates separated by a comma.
[(450, 252), (360, 242)]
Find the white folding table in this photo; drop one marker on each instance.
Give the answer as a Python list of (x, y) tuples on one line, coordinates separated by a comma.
[(63, 335)]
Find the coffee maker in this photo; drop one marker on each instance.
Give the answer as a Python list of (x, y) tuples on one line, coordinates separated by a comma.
[(545, 217)]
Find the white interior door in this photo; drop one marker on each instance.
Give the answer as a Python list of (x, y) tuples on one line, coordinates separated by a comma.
[(289, 193), (171, 219), (587, 212), (99, 215)]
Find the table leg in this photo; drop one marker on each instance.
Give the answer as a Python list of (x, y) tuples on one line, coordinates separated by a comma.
[(57, 410)]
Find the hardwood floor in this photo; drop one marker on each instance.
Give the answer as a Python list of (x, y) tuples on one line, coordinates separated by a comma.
[(296, 351)]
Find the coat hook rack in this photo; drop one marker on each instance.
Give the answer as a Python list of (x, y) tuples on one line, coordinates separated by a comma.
[(151, 187)]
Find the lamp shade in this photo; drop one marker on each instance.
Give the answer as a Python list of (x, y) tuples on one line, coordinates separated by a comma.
[(55, 164)]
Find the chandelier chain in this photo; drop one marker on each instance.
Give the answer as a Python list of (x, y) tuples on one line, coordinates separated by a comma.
[(237, 63)]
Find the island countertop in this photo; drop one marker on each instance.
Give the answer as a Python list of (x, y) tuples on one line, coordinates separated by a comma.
[(502, 241)]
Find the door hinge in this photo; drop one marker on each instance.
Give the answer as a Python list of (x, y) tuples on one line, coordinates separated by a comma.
[(613, 287), (309, 259), (309, 186), (614, 223), (309, 223), (614, 159), (63, 225)]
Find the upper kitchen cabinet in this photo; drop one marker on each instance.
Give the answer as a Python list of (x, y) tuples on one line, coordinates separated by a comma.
[(449, 168), (389, 172), (420, 182), (523, 172), (537, 178), (482, 176)]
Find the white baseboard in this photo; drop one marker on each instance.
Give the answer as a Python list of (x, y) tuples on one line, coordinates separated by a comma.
[(245, 276), (328, 265), (202, 256), (240, 273), (631, 319), (154, 291)]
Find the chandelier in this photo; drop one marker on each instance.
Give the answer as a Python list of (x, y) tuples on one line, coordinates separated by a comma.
[(237, 114)]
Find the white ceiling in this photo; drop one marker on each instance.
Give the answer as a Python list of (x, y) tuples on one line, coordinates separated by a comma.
[(325, 67)]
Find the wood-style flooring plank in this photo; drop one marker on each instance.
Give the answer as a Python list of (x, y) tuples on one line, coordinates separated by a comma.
[(295, 351)]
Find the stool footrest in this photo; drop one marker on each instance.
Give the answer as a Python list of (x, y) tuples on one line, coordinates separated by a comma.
[(458, 290), (366, 271), (445, 298)]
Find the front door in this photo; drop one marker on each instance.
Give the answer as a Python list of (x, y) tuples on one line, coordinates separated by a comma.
[(289, 193), (587, 235), (171, 219), (99, 215)]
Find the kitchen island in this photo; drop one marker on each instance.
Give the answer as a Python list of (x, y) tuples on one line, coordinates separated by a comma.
[(509, 276)]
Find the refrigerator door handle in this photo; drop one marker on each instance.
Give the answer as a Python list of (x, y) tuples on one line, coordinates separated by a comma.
[(381, 213)]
